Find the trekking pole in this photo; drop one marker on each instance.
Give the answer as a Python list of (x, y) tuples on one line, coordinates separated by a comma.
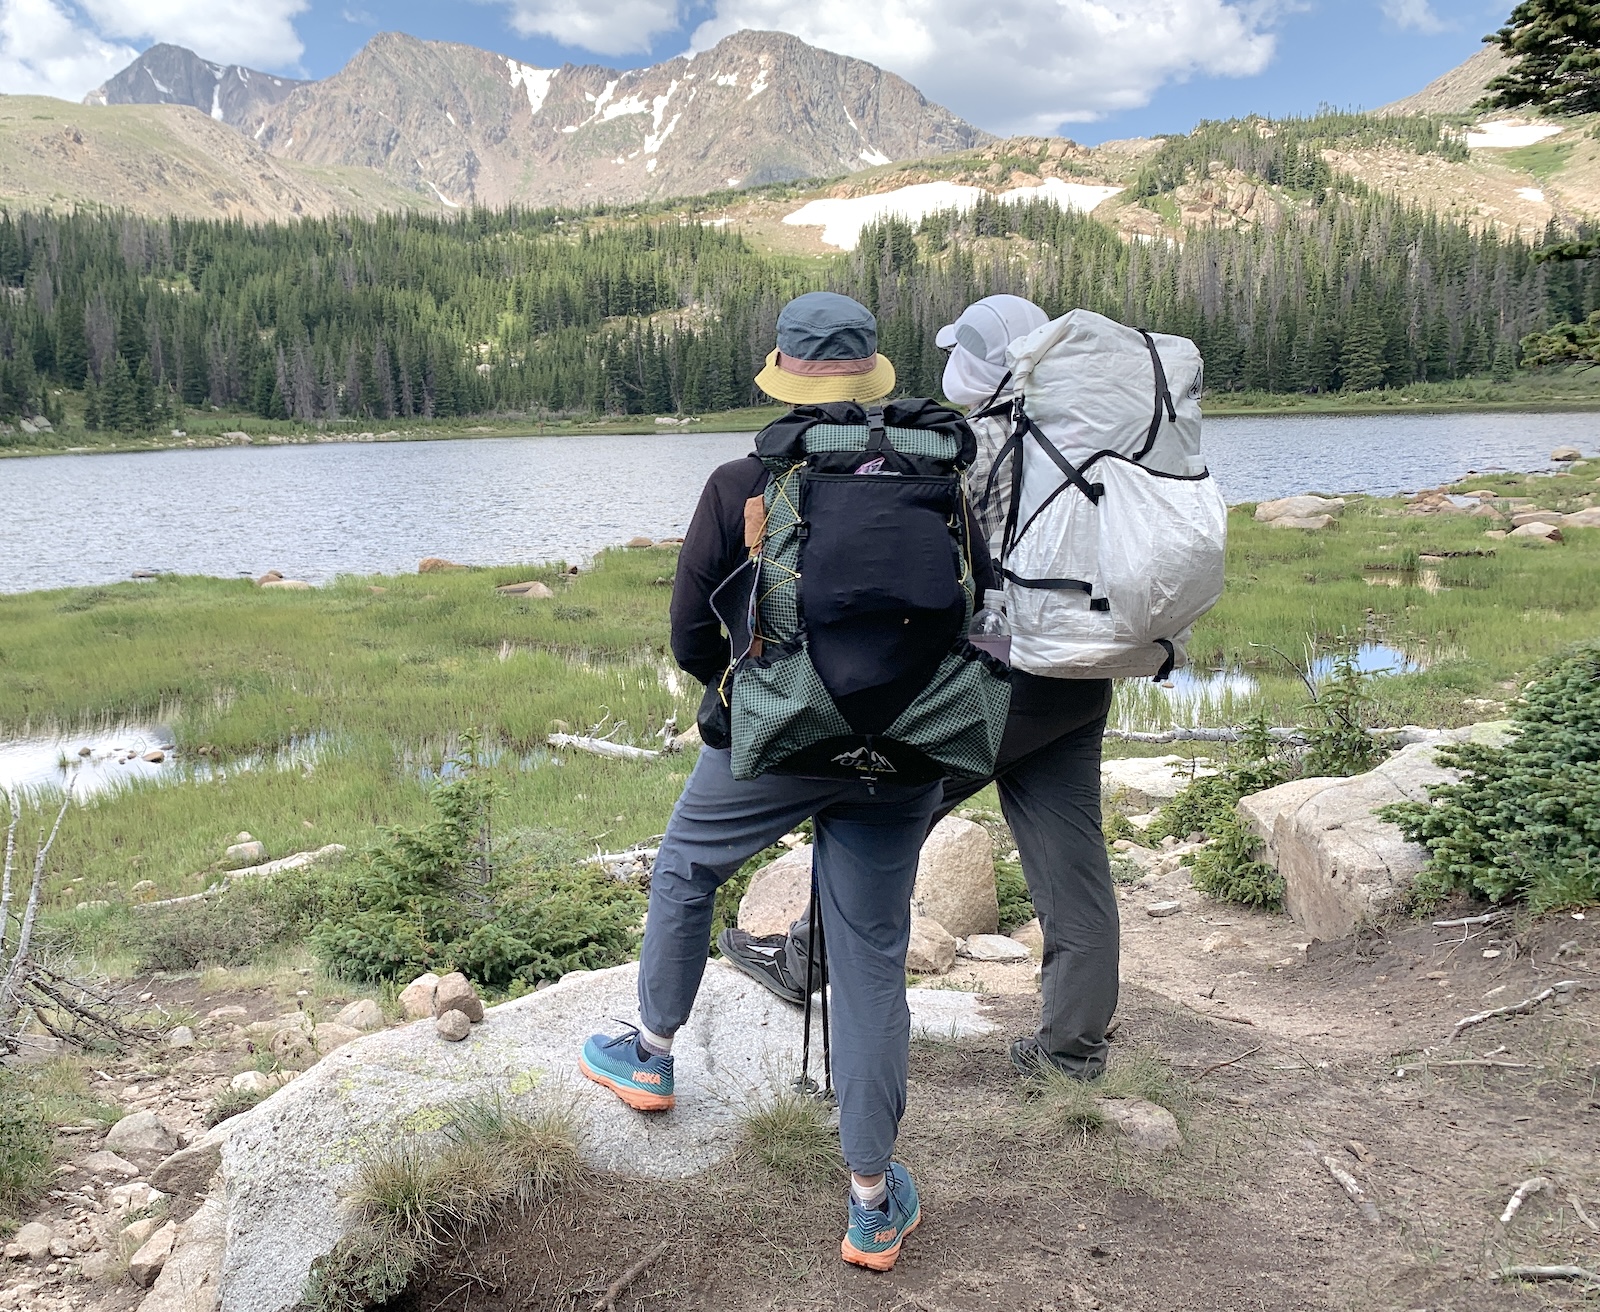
[(804, 1083), (820, 930)]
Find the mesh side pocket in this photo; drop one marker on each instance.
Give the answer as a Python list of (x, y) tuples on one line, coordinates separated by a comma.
[(960, 716), (780, 707)]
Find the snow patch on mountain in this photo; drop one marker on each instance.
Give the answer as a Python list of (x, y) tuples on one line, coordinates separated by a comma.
[(1509, 134), (842, 218), (535, 81)]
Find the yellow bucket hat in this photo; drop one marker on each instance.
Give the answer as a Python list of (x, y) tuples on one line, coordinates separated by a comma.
[(827, 351)]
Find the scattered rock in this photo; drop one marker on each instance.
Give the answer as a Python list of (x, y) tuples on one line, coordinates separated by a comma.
[(436, 565), (1161, 910), (1311, 522), (108, 1163), (135, 1197), (145, 1265), (97, 1265), (993, 947), (293, 1047), (1564, 454), (155, 756), (227, 1013), (363, 1014), (1486, 511), (955, 879), (271, 576), (137, 1232), (1588, 518), (246, 852), (191, 1280), (142, 1137), (289, 585), (534, 589), (1302, 507), (416, 999), (31, 1243), (1538, 529), (330, 1035), (778, 894), (455, 993), (453, 1025), (1147, 783), (1031, 936), (1340, 864), (1551, 517), (933, 948), (1147, 1127), (639, 542), (188, 1172), (285, 1164), (181, 1037), (250, 1082)]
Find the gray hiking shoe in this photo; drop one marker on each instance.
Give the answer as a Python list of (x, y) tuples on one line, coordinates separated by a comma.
[(765, 960), (1031, 1060)]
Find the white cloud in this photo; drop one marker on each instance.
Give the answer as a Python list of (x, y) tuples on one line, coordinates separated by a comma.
[(43, 52), (259, 33), (1414, 15), (609, 27), (1027, 65)]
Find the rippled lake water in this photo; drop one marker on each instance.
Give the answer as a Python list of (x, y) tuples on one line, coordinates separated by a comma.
[(317, 511)]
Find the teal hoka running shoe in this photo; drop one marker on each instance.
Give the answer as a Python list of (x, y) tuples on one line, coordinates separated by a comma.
[(875, 1234), (641, 1079)]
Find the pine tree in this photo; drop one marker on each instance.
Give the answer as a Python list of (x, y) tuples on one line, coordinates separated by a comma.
[(1555, 46)]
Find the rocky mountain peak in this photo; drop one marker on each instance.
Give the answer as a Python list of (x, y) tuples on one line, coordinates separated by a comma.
[(171, 75)]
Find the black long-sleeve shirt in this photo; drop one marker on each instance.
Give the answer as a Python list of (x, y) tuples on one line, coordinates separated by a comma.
[(713, 550)]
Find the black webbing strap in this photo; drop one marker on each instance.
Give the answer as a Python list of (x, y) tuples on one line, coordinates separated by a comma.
[(1163, 398), (1050, 585), (877, 434), (1165, 672), (1094, 491)]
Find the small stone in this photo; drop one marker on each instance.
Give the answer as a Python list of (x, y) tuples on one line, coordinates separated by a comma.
[(145, 1265), (155, 756), (250, 1082), (181, 1037), (135, 1197), (96, 1265), (933, 948), (639, 542), (1564, 454), (227, 1013), (455, 993), (328, 1036), (993, 947), (437, 565), (143, 1136), (137, 1232), (1312, 523), (1540, 530), (534, 589), (416, 999), (293, 1047), (1147, 1127), (363, 1014), (107, 1163), (1160, 910), (246, 853), (453, 1025), (271, 576), (32, 1243), (1031, 936)]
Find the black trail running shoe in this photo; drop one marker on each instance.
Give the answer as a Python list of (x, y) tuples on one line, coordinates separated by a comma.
[(765, 960), (1031, 1059)]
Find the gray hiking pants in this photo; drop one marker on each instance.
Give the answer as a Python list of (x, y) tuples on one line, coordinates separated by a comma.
[(865, 860), (1048, 775)]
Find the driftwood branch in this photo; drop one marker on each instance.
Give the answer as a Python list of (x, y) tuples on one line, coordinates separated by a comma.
[(1217, 1066), (1200, 736), (1564, 989), (1577, 1207), (1352, 1188), (1577, 1273), (607, 1302), (613, 858), (1489, 919), (14, 811), (17, 970), (1537, 1185), (1499, 1063), (601, 747), (296, 862)]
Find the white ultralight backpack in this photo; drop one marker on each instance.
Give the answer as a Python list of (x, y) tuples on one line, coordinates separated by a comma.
[(1115, 531)]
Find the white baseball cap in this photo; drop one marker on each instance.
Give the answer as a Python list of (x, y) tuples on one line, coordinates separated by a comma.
[(987, 327)]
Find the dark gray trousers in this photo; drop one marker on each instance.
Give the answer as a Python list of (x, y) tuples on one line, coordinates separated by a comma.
[(865, 861), (1048, 776)]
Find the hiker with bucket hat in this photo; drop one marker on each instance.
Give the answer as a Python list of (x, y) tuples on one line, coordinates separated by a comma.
[(822, 722), (1047, 771)]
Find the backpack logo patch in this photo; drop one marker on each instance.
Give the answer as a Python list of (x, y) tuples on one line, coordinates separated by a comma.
[(865, 761)]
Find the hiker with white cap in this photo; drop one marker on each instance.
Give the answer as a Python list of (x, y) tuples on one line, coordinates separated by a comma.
[(846, 710), (1047, 770)]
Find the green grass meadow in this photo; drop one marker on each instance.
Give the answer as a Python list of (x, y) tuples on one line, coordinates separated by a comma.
[(321, 716)]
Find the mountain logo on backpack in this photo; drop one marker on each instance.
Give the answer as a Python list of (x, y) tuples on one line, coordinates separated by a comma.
[(865, 761)]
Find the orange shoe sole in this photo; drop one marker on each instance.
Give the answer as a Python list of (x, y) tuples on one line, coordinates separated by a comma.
[(883, 1261), (638, 1099)]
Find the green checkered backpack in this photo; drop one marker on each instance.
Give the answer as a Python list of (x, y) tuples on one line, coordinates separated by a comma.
[(858, 599)]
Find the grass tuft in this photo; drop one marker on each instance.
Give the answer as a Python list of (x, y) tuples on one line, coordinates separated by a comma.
[(234, 1102), (793, 1139), (1071, 1107)]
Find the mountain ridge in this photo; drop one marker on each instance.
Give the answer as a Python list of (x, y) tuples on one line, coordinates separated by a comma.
[(174, 75)]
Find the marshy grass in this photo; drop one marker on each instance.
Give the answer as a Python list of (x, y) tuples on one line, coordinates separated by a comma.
[(793, 1138)]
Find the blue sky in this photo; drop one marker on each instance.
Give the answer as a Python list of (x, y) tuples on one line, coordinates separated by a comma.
[(1095, 69)]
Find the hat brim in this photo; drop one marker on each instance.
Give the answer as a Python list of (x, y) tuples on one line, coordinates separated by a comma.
[(797, 389), (946, 338)]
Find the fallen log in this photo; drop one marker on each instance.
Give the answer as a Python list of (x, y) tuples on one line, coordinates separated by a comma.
[(601, 747), (298, 861), (1547, 1273)]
